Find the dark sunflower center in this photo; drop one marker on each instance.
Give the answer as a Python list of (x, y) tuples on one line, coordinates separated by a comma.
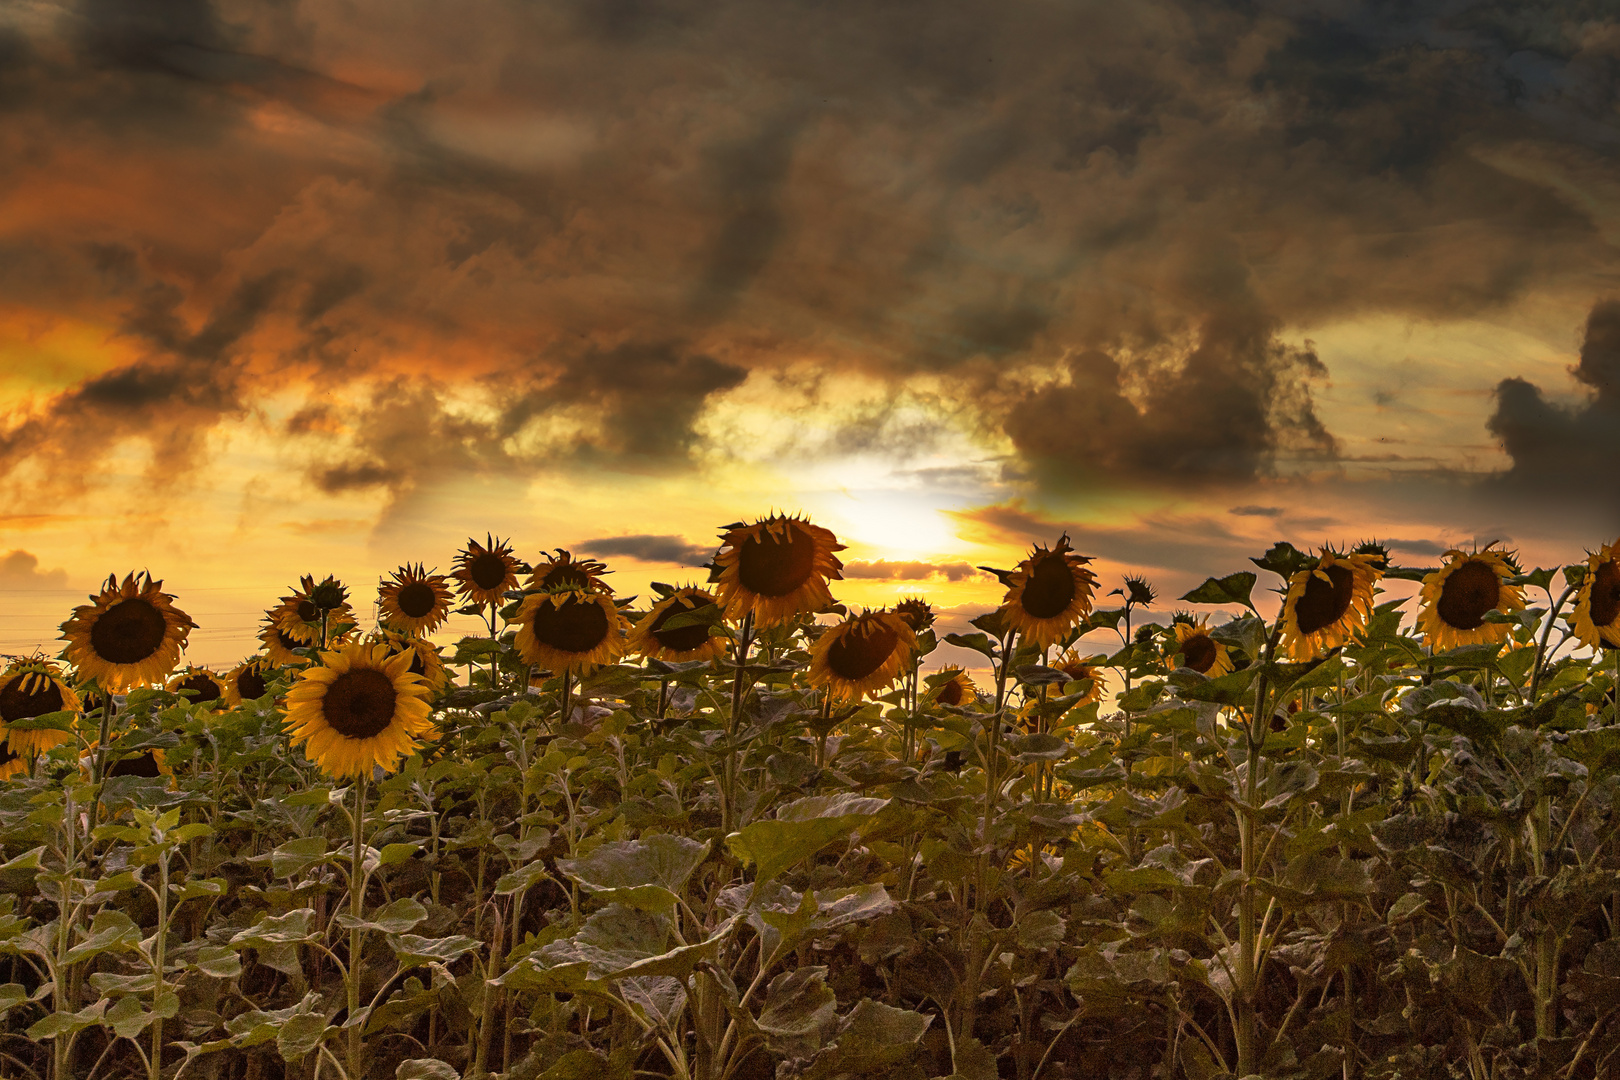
[(565, 576), (488, 570), (1050, 587), (207, 689), (682, 638), (952, 693), (1198, 652), (1075, 671), (290, 643), (128, 632), (1606, 593), (1324, 602), (417, 667), (574, 626), (308, 611), (854, 655), (360, 703), (327, 595), (250, 685), (771, 565), (142, 764), (16, 703), (7, 754), (1470, 593), (417, 600)]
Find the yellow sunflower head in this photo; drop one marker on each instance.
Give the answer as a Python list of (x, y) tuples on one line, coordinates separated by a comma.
[(1457, 598), (1597, 605), (570, 631), (300, 615), (563, 572), (1047, 593), (1197, 649), (13, 761), (247, 681), (776, 569), (130, 634), (207, 688), (279, 643), (862, 655), (681, 644), (414, 600), (916, 612), (956, 690), (1079, 668), (425, 658), (358, 708), (486, 572), (1328, 604), (32, 688)]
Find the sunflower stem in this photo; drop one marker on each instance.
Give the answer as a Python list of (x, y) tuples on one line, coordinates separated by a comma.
[(567, 693), (357, 908), (728, 794), (1546, 634)]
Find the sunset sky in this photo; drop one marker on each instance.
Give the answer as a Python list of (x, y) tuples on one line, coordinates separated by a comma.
[(321, 287)]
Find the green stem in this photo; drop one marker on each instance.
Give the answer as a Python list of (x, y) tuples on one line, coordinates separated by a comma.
[(1541, 646), (357, 909), (155, 1064)]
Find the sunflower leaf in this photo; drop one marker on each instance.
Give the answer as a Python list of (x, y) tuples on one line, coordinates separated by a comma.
[(801, 828), (649, 874), (979, 643), (1231, 589), (392, 918), (60, 720), (1284, 560)]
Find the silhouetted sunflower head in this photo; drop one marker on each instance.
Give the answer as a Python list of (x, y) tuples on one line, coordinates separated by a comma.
[(1597, 605), (957, 690), (1459, 596), (775, 569), (413, 600), (206, 687), (653, 637), (862, 655), (562, 572), (300, 616), (1327, 604), (486, 572), (31, 688), (358, 708), (916, 612), (425, 659), (570, 632), (1047, 593), (247, 681), (279, 644), (130, 634), (1198, 650)]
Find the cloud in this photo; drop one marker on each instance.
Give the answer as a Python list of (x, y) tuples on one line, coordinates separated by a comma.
[(886, 570), (20, 572), (649, 548), (1256, 511)]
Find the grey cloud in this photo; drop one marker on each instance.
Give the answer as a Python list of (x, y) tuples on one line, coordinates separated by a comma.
[(19, 571), (1256, 511), (900, 570), (649, 548)]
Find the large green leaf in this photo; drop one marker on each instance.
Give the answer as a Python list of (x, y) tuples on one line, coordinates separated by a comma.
[(649, 873), (110, 931), (395, 917), (1231, 589), (801, 829), (293, 928)]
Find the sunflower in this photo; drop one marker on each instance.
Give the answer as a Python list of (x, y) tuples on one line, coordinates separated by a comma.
[(1047, 593), (916, 612), (128, 635), (1597, 605), (563, 572), (1079, 668), (570, 631), (1328, 604), (359, 707), (414, 600), (1457, 597), (957, 691), (13, 761), (279, 644), (299, 616), (485, 572), (148, 763), (425, 658), (683, 643), (208, 688), (1197, 649), (861, 655), (246, 682), (776, 569), (32, 688)]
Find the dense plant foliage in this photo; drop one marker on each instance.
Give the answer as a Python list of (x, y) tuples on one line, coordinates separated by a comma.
[(1312, 845)]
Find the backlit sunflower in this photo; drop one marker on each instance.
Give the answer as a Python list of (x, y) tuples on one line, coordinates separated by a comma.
[(299, 616), (246, 681), (861, 655), (1197, 649), (32, 688), (957, 691), (414, 600), (425, 658), (207, 688), (13, 762), (562, 571), (916, 612), (1079, 668), (650, 638), (1597, 605), (359, 707), (148, 763), (1328, 604), (570, 631), (279, 644), (485, 572), (775, 569), (128, 635), (1457, 597), (1047, 593)]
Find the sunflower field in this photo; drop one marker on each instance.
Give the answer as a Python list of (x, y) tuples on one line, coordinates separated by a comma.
[(738, 831)]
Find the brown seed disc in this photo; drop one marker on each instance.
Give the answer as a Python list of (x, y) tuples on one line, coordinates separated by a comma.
[(1470, 593), (952, 693), (1325, 602), (17, 703), (290, 643), (574, 626), (769, 565), (1606, 593), (1199, 652), (854, 655), (360, 703), (207, 689), (1050, 587), (128, 632), (417, 600), (142, 764), (488, 570), (250, 684), (682, 638), (308, 611), (565, 576)]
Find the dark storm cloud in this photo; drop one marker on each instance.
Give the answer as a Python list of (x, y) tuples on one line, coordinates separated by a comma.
[(1559, 451), (577, 226), (648, 548)]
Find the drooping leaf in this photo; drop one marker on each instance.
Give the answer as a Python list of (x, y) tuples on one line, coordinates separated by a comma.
[(1231, 589), (649, 873), (801, 828)]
